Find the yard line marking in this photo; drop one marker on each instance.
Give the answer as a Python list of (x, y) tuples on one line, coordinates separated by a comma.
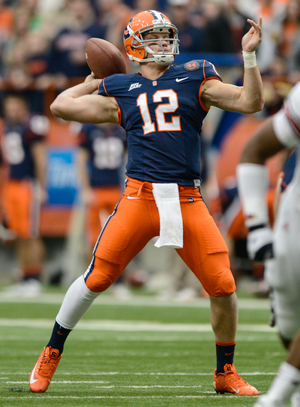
[(140, 300), (113, 386), (48, 396), (137, 374), (64, 382), (142, 326)]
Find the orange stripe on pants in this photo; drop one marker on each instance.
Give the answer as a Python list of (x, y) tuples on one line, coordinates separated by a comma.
[(105, 200)]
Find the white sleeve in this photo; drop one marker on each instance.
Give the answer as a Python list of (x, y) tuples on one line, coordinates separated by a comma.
[(253, 184), (284, 131), (286, 123)]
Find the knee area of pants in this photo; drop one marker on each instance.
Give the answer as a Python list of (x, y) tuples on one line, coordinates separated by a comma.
[(102, 277), (98, 285)]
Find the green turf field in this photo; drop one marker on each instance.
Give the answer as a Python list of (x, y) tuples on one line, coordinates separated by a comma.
[(137, 353)]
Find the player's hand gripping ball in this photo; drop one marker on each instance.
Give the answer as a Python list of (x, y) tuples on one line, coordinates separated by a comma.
[(104, 58)]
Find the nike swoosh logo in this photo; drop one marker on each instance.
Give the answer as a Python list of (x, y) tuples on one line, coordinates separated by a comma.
[(32, 380), (228, 354), (181, 79), (133, 197), (236, 391)]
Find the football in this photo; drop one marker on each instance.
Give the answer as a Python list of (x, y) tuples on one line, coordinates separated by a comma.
[(104, 58)]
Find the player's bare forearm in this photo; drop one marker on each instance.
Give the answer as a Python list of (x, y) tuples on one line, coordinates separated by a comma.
[(245, 99), (252, 96)]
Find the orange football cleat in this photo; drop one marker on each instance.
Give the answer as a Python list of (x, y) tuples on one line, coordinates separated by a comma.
[(44, 369), (231, 382)]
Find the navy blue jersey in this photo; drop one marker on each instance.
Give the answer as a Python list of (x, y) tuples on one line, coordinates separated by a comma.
[(105, 145), (16, 143), (68, 41), (163, 120)]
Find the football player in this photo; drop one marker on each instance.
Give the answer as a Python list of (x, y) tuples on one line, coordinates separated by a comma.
[(100, 167), (279, 249), (23, 192), (162, 110), (100, 159)]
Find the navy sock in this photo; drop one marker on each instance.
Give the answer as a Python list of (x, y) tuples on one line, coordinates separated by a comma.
[(58, 337), (225, 353)]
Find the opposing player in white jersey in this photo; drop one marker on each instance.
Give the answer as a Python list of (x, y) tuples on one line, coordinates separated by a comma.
[(280, 249)]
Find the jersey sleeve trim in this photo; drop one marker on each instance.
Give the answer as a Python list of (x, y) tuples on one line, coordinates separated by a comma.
[(204, 75), (200, 91), (119, 113), (104, 87)]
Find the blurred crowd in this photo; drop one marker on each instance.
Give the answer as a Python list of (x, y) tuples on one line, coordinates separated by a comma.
[(42, 42), (42, 49)]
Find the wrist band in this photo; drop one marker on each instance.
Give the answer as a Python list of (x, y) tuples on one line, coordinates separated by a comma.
[(249, 59)]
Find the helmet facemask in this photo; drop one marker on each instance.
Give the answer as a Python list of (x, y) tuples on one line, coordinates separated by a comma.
[(138, 48)]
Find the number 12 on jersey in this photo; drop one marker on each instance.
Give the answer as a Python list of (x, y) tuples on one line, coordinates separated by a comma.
[(160, 111)]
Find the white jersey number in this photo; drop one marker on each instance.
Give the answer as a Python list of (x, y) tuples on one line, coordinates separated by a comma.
[(160, 111), (108, 153), (13, 148)]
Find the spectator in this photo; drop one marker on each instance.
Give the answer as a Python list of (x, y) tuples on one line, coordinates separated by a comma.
[(191, 37), (113, 17), (293, 63), (290, 28), (276, 86), (237, 22), (23, 150), (225, 27), (140, 5), (6, 24), (67, 55), (15, 49), (292, 44), (269, 10)]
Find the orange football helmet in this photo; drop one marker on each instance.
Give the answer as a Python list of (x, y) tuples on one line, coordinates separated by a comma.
[(146, 22)]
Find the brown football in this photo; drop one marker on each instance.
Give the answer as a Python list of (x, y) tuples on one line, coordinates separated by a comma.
[(104, 58)]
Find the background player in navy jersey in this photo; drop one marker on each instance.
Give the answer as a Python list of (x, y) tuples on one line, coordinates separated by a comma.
[(100, 158), (23, 191), (100, 165), (162, 110), (279, 248)]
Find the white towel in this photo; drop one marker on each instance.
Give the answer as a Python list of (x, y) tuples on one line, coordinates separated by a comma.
[(171, 227)]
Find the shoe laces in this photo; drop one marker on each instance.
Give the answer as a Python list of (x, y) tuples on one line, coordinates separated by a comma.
[(232, 376), (47, 364)]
